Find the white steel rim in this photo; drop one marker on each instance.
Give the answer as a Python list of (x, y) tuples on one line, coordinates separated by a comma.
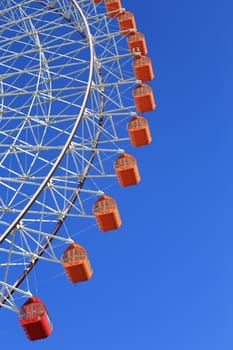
[(51, 191)]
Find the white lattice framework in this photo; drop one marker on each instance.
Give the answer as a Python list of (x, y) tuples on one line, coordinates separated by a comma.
[(66, 96)]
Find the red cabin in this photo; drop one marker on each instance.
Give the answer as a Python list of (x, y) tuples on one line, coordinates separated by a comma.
[(113, 7), (137, 43), (96, 1), (143, 69), (76, 264), (126, 23), (106, 214), (126, 170), (143, 98), (34, 319), (139, 132)]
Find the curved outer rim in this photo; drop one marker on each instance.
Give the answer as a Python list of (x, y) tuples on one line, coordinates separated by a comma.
[(56, 164)]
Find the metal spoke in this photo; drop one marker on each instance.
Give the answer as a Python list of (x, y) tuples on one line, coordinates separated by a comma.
[(66, 97)]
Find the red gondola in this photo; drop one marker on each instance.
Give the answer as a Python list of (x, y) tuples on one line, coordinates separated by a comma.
[(126, 23), (113, 8), (126, 170), (143, 69), (139, 132), (143, 98), (76, 264), (106, 214), (34, 319), (137, 43)]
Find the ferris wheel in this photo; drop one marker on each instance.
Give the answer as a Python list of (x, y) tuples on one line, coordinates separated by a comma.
[(73, 88)]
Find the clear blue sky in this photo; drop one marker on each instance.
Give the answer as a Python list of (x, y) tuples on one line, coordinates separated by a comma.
[(164, 279)]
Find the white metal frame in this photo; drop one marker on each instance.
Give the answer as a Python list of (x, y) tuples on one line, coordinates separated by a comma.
[(65, 102)]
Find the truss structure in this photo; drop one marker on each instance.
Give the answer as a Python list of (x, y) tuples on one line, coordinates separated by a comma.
[(65, 98)]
